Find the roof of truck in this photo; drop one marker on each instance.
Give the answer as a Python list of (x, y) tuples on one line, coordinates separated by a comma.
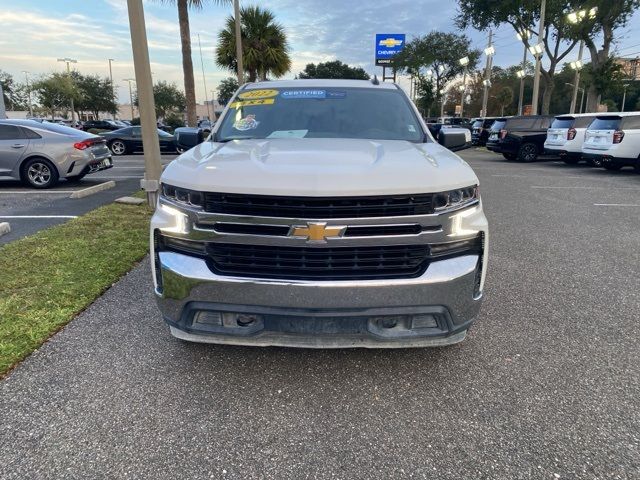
[(319, 82)]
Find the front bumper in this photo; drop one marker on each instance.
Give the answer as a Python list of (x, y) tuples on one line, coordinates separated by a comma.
[(433, 309)]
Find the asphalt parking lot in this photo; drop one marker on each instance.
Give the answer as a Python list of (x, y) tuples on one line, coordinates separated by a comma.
[(546, 385), (29, 210)]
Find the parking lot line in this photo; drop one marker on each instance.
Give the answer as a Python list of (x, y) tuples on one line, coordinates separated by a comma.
[(34, 192), (615, 205), (584, 188), (37, 216)]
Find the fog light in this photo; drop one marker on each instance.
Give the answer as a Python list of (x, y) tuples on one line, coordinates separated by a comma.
[(246, 320), (387, 322), (208, 318), (425, 320)]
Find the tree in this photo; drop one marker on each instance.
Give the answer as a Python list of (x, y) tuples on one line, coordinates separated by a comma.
[(226, 89), (602, 19), (523, 15), (504, 97), (53, 92), (95, 94), (265, 49), (185, 40), (15, 95), (168, 99), (334, 69), (434, 60)]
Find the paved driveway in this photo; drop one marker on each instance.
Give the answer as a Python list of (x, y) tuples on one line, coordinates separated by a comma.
[(546, 386)]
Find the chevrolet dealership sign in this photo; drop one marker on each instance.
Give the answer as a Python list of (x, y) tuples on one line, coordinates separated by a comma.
[(388, 45)]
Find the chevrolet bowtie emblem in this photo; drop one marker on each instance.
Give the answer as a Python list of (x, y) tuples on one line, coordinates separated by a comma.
[(317, 231)]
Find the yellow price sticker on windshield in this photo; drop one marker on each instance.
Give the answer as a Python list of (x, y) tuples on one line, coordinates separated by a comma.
[(249, 94), (251, 103)]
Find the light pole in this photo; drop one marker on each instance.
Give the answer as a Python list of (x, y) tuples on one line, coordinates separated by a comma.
[(113, 87), (522, 36), (624, 95), (204, 81), (489, 52), (130, 94), (572, 85), (538, 49), (146, 102), (26, 78), (575, 18), (239, 59), (69, 61), (464, 61)]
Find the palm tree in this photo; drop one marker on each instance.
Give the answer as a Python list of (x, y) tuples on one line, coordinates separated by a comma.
[(265, 50), (185, 39)]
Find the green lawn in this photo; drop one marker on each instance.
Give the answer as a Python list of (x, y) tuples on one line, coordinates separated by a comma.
[(50, 277)]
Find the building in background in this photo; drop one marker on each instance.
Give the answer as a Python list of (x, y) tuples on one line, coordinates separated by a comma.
[(630, 68)]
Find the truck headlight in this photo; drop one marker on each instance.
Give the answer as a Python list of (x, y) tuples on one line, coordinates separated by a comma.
[(455, 199), (182, 195)]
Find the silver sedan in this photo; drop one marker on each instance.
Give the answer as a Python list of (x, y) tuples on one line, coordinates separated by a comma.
[(39, 154)]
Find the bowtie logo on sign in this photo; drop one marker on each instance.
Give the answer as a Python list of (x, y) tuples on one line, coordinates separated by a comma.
[(388, 45)]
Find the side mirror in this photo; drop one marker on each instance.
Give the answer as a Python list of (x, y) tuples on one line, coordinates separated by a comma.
[(188, 137), (454, 138)]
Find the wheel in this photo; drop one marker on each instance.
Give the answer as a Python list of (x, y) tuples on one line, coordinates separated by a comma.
[(39, 173), (118, 147), (180, 149), (595, 162), (528, 153), (509, 156), (76, 178), (571, 161), (613, 167)]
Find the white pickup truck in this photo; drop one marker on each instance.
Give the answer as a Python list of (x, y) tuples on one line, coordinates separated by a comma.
[(320, 213)]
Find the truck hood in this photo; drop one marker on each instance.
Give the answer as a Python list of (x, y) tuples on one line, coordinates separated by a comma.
[(319, 167)]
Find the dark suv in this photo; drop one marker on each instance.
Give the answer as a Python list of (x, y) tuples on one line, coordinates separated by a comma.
[(480, 130), (100, 125), (519, 138)]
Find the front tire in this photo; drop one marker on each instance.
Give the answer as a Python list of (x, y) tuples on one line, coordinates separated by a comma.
[(118, 147), (39, 173), (528, 153)]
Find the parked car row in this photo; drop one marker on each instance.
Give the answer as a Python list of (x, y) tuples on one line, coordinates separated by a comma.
[(609, 140)]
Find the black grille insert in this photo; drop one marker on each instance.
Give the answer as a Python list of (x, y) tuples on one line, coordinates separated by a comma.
[(308, 263), (319, 207)]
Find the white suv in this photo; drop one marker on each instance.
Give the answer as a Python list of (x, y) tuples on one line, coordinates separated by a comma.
[(614, 140), (320, 213), (566, 135)]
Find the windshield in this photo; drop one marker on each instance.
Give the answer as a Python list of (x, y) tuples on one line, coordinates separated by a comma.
[(562, 123), (606, 123), (366, 113), (477, 124)]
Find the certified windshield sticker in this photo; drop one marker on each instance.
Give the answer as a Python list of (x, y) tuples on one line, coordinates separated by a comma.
[(304, 94), (247, 123), (251, 103), (251, 94)]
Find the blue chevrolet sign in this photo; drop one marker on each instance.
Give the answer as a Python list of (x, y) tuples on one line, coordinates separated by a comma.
[(387, 46)]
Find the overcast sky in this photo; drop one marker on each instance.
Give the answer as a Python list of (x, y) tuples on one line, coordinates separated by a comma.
[(34, 33)]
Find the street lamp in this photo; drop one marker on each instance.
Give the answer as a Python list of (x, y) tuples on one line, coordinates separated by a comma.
[(575, 18), (624, 95), (536, 50), (490, 51), (522, 36), (576, 89), (26, 77), (113, 87), (536, 77), (130, 94), (69, 61), (464, 61)]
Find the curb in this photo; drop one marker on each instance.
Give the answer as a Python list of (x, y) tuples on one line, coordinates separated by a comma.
[(85, 192), (4, 228)]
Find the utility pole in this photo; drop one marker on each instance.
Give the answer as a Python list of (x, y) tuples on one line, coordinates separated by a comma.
[(624, 96), (464, 61), (26, 78), (576, 78), (204, 81), (113, 87), (489, 51), (239, 59), (3, 110), (69, 61), (130, 95), (147, 107), (536, 77)]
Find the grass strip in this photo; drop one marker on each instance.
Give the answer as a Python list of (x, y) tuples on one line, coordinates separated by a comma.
[(48, 278)]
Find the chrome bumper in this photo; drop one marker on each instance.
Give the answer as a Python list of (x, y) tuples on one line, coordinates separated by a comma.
[(296, 312)]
